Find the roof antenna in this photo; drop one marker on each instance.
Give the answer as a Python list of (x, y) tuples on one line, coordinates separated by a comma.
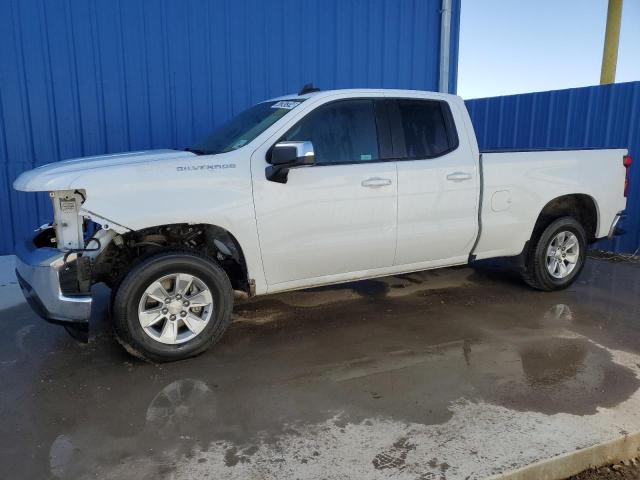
[(308, 88)]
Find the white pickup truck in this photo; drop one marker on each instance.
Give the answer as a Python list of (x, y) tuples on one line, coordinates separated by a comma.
[(304, 190)]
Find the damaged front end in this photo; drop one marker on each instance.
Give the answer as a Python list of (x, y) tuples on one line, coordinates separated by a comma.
[(54, 266)]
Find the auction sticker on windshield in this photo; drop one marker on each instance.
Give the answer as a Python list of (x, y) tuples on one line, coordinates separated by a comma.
[(287, 104)]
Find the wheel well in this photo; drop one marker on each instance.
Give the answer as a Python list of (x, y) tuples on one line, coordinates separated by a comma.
[(579, 206), (214, 241)]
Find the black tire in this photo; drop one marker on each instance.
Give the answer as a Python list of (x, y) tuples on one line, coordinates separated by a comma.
[(535, 272), (129, 293)]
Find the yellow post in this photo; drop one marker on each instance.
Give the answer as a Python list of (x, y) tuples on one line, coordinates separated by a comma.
[(611, 39)]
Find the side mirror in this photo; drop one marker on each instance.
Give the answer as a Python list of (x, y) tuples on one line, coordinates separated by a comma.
[(287, 155)]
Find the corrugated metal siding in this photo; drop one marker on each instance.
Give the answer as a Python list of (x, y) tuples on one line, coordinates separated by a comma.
[(602, 116), (82, 77)]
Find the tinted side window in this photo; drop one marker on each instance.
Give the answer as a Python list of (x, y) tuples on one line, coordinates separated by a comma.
[(425, 128), (343, 131)]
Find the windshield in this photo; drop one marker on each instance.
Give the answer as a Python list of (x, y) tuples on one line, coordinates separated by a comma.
[(244, 127)]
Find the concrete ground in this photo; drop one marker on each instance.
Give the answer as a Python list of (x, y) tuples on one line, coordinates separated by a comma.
[(458, 373)]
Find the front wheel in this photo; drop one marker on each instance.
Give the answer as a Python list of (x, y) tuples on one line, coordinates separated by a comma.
[(172, 305), (556, 256)]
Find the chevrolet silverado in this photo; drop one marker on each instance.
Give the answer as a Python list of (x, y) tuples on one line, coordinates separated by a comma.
[(311, 189)]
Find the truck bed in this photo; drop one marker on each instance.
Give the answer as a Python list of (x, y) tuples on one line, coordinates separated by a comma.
[(517, 182)]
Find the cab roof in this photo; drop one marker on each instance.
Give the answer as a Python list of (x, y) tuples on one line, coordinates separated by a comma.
[(357, 91)]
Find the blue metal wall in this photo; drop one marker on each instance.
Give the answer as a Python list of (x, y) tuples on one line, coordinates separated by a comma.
[(602, 116), (85, 77)]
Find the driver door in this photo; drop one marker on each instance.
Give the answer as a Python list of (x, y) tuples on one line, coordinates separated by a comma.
[(337, 216)]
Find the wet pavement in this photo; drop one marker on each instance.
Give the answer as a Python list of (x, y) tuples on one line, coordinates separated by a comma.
[(456, 373)]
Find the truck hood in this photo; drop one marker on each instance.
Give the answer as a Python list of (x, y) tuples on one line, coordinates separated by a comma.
[(61, 175)]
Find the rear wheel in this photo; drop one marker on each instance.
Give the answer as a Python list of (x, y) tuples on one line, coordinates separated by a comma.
[(556, 256), (171, 306)]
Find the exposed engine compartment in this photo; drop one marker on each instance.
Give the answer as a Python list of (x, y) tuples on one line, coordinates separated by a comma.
[(97, 253), (123, 252)]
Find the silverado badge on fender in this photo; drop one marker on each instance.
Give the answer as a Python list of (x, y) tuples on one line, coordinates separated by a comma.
[(209, 166)]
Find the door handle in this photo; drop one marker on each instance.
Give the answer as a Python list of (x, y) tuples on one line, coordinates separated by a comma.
[(376, 182), (459, 176)]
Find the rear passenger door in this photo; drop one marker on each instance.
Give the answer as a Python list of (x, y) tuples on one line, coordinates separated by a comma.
[(437, 183)]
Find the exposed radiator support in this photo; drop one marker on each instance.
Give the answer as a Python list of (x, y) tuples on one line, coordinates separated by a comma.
[(67, 220)]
